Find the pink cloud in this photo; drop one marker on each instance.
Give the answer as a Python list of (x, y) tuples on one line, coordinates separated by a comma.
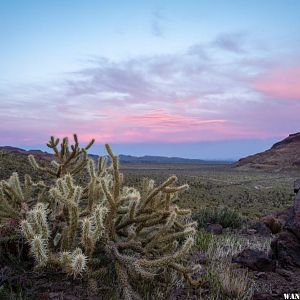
[(160, 118), (155, 125), (280, 83), (181, 97)]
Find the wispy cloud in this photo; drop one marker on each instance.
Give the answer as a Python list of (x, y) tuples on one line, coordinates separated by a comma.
[(180, 97), (232, 42)]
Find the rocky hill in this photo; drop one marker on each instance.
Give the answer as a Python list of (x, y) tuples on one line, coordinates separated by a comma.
[(283, 156), (36, 153)]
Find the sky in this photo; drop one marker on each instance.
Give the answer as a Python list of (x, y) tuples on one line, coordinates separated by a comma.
[(196, 78)]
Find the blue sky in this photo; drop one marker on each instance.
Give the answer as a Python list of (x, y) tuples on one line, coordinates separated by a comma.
[(151, 75)]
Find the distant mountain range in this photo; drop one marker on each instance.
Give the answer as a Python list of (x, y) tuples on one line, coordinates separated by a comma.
[(167, 160), (124, 159), (284, 155)]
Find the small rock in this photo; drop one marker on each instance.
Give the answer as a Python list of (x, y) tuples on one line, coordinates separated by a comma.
[(255, 260), (214, 228), (286, 249), (261, 228), (272, 223)]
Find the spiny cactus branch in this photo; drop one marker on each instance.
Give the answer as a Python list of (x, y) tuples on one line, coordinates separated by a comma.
[(68, 159)]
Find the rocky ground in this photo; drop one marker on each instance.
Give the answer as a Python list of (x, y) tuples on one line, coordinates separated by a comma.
[(279, 270)]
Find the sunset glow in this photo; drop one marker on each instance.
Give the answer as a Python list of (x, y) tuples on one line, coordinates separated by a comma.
[(129, 72)]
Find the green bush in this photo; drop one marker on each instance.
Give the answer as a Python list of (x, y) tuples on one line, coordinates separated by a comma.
[(221, 215)]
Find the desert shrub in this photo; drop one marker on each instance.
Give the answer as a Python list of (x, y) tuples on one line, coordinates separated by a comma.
[(228, 282), (203, 240), (101, 227), (226, 246), (221, 215), (224, 279)]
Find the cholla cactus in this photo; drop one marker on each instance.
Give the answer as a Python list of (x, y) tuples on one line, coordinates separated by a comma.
[(141, 233), (15, 200), (69, 159)]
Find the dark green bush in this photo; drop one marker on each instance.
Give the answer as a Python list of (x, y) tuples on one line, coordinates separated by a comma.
[(221, 215)]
